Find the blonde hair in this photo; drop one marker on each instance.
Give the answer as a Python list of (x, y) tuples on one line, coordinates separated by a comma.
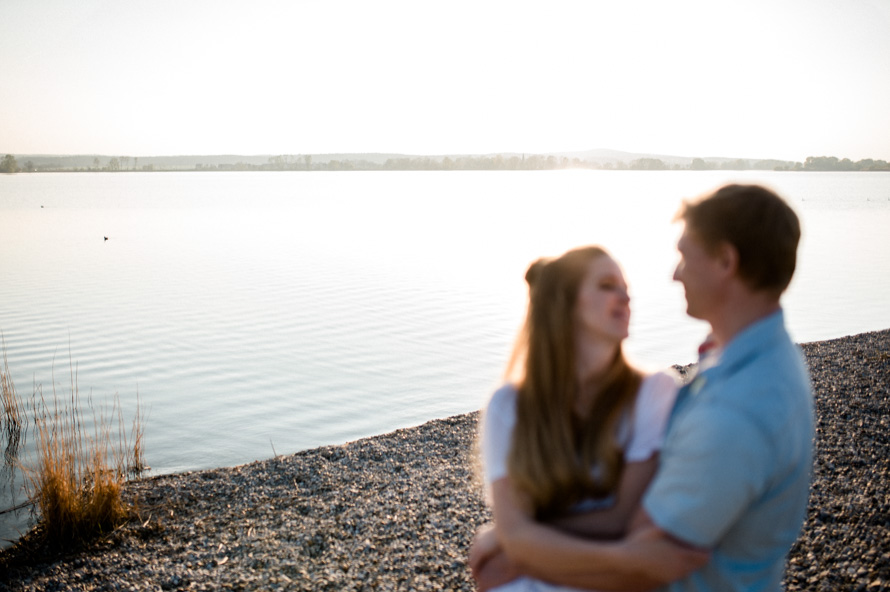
[(554, 451)]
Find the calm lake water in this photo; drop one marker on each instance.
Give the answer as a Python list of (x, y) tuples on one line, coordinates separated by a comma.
[(262, 313)]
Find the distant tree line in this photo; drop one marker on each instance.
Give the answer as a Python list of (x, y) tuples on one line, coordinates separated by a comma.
[(537, 162), (533, 162), (831, 163), (416, 163), (9, 164)]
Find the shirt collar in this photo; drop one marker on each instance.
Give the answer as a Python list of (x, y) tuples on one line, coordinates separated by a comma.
[(750, 341)]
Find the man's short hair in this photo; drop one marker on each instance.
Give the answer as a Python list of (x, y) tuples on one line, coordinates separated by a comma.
[(764, 230)]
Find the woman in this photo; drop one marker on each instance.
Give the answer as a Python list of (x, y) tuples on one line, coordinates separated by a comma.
[(574, 441)]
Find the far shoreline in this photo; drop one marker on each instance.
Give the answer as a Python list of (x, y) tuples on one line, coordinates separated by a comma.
[(601, 159)]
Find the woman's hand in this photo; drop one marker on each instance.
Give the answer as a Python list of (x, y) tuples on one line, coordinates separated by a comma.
[(485, 544), (488, 563)]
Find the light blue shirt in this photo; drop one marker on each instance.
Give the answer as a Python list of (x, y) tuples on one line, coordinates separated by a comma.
[(734, 473)]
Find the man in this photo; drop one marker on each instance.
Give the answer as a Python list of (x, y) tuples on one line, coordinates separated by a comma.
[(733, 476)]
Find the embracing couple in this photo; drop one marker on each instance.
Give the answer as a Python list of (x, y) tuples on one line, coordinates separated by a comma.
[(601, 477)]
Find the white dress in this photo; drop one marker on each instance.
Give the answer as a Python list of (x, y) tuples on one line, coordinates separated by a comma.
[(640, 434)]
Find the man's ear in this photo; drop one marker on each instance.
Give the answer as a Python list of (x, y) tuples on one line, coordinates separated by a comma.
[(728, 258)]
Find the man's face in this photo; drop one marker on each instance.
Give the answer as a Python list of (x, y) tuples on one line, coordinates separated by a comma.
[(700, 272)]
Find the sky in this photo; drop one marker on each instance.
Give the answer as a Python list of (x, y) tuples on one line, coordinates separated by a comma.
[(782, 79)]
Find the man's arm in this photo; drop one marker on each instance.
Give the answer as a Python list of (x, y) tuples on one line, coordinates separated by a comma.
[(647, 558), (487, 560)]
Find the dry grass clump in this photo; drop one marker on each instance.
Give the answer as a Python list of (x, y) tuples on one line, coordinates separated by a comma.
[(77, 464), (80, 469)]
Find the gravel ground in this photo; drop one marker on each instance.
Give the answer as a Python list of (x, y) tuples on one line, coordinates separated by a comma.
[(845, 544), (397, 512)]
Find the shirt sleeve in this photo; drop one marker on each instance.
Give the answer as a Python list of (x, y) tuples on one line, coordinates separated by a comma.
[(709, 471), (498, 420), (650, 415)]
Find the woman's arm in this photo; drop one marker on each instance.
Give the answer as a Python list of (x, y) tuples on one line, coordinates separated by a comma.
[(645, 559), (539, 554), (510, 506), (490, 566), (544, 552), (613, 522)]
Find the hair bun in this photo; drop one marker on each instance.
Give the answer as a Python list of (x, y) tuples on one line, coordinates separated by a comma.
[(535, 270)]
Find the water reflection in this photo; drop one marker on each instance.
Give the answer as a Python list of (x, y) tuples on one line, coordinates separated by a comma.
[(13, 432)]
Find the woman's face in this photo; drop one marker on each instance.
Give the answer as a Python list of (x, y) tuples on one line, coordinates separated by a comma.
[(603, 307)]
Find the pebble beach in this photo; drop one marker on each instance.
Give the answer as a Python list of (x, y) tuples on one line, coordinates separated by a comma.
[(398, 511)]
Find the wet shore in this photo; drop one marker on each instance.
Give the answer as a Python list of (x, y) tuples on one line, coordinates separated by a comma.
[(397, 511)]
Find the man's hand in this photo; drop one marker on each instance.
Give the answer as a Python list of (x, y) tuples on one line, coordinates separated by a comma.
[(665, 559), (488, 563)]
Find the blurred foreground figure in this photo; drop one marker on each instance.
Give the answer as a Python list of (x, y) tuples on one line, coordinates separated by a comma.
[(730, 492)]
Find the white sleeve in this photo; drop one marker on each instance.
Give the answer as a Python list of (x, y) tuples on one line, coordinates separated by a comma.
[(650, 415), (496, 438)]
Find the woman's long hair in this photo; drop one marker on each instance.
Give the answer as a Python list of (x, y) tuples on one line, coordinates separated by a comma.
[(554, 451)]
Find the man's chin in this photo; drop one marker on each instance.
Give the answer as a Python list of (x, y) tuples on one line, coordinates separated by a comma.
[(691, 312)]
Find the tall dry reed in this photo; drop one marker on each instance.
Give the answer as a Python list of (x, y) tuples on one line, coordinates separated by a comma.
[(79, 466)]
